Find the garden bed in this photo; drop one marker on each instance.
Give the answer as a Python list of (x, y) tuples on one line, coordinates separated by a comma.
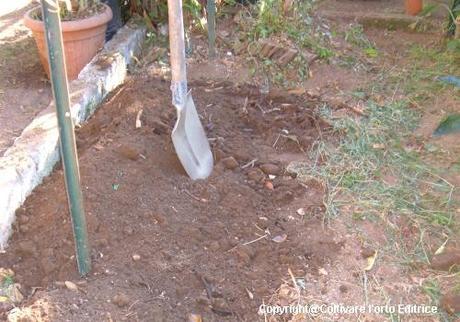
[(161, 239)]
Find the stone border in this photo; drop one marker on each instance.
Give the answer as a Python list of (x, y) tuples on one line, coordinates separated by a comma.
[(34, 154), (382, 20)]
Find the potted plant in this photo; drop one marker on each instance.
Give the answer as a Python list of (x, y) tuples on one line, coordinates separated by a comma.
[(413, 7), (84, 23)]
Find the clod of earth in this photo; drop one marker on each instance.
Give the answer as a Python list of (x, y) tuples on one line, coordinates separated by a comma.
[(128, 152), (269, 185), (269, 168), (447, 261), (120, 300), (367, 252), (256, 175), (451, 303), (230, 163)]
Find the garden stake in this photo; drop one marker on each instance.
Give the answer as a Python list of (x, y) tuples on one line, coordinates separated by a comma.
[(211, 9), (58, 75)]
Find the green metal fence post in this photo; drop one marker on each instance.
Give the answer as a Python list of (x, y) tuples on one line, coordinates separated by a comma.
[(211, 12), (50, 11)]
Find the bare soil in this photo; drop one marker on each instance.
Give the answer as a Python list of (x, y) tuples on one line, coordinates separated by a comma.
[(164, 246), (189, 235)]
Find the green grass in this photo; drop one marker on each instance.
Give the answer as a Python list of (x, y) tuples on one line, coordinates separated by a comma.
[(426, 64), (371, 149)]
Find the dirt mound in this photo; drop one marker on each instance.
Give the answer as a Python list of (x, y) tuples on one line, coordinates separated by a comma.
[(166, 245)]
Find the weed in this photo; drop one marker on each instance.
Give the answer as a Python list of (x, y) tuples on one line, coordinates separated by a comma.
[(269, 19)]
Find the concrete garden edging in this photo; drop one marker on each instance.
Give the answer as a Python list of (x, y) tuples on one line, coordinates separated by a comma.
[(34, 154)]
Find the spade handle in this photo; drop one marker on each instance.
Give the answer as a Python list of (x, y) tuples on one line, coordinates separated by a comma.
[(177, 53)]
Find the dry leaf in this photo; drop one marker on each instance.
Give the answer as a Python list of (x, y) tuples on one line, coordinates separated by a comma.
[(138, 119), (322, 271), (251, 296), (194, 318), (441, 248), (378, 146), (297, 91), (14, 294), (71, 286), (280, 238), (371, 261), (301, 212)]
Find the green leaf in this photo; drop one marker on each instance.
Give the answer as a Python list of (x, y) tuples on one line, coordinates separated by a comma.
[(428, 9), (451, 124), (371, 52)]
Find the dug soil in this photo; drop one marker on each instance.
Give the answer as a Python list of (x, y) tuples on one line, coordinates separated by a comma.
[(164, 246)]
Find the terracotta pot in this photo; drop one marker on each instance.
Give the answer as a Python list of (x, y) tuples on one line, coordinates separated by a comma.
[(413, 7), (82, 39)]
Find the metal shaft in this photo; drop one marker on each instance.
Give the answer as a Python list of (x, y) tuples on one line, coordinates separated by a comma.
[(50, 10), (177, 53), (211, 10)]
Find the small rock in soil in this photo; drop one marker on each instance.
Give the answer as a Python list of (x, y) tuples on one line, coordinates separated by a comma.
[(446, 261), (269, 185), (120, 300), (256, 175), (230, 163), (128, 152), (451, 303), (280, 238), (269, 168)]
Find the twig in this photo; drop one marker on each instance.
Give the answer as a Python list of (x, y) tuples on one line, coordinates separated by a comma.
[(130, 307), (245, 105), (276, 141), (250, 163), (138, 119), (293, 280), (257, 239), (193, 196)]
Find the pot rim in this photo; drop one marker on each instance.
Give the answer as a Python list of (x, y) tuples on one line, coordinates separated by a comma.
[(75, 25)]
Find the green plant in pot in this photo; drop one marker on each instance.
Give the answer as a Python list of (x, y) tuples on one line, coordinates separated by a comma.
[(84, 23)]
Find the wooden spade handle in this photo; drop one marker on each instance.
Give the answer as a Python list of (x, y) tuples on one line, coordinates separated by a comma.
[(177, 52)]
